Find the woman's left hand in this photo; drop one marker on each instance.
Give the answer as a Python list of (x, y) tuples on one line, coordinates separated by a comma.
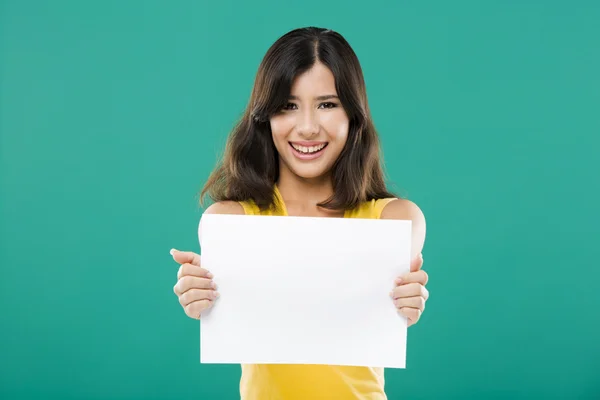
[(409, 294)]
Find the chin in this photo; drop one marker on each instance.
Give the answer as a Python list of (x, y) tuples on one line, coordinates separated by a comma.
[(305, 172), (313, 162)]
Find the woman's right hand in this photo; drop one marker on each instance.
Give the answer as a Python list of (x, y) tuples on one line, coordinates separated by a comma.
[(194, 288)]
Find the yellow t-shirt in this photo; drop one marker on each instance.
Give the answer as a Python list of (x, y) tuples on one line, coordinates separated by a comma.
[(312, 382)]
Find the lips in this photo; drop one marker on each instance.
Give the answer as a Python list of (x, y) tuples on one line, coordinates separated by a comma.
[(308, 150)]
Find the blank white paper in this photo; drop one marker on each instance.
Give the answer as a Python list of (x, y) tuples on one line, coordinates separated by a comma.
[(303, 290)]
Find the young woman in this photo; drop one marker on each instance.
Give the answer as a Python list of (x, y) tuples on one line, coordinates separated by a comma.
[(306, 146)]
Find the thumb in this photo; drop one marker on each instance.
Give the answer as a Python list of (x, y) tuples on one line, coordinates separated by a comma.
[(416, 263), (185, 257)]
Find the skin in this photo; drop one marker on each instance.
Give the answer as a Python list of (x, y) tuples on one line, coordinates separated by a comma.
[(305, 183)]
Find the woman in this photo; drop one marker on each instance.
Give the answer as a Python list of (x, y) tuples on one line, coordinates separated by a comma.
[(306, 146)]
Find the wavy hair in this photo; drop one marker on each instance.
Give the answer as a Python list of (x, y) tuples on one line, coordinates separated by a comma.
[(249, 168)]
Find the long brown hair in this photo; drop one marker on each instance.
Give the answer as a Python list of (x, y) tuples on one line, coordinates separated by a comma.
[(250, 165)]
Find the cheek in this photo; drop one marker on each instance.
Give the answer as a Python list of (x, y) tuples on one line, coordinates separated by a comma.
[(337, 126), (279, 129)]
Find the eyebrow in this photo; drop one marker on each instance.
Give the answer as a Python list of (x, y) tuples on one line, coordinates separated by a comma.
[(324, 97)]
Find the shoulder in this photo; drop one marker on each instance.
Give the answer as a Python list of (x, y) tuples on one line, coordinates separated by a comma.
[(407, 210), (403, 209), (225, 207), (221, 207)]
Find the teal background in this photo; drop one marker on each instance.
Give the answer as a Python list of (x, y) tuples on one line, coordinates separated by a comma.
[(112, 114)]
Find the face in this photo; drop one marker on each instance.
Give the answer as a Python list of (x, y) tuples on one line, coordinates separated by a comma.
[(311, 131)]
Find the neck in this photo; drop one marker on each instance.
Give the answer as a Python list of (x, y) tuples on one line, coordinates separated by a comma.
[(302, 195)]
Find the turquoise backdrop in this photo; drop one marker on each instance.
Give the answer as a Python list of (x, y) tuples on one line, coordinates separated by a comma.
[(112, 114)]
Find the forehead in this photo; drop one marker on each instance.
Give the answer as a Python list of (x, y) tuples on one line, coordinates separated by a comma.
[(317, 80)]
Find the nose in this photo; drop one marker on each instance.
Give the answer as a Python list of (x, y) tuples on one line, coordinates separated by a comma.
[(308, 124)]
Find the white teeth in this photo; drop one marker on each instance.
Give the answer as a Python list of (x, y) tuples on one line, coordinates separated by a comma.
[(308, 150)]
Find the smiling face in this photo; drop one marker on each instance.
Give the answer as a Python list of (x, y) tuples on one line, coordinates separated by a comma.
[(311, 130)]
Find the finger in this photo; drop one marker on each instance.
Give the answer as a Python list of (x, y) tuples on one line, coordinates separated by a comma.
[(193, 295), (183, 257), (410, 290), (193, 270), (414, 277), (193, 310), (416, 263), (411, 302), (193, 282), (412, 314)]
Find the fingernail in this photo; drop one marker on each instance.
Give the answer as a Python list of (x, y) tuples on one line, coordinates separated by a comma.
[(213, 285), (216, 294), (172, 251), (209, 275), (398, 280)]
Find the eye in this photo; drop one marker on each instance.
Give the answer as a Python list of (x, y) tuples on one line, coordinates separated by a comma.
[(325, 105), (287, 106), (329, 105)]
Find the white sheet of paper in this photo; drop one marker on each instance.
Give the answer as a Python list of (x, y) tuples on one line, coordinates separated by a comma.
[(303, 290)]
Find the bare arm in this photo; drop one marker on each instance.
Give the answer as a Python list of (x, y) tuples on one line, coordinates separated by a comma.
[(407, 210), (410, 294), (194, 288)]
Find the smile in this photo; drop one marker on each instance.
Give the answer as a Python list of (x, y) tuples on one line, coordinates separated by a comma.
[(308, 151)]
